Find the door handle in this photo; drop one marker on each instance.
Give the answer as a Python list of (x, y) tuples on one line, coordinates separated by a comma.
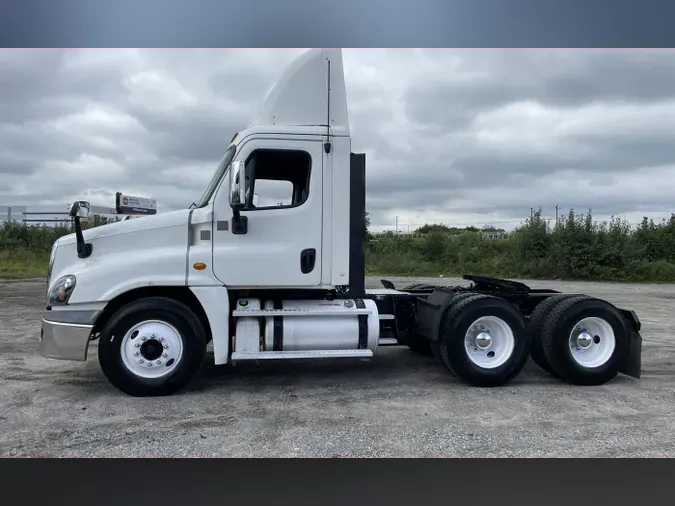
[(307, 260)]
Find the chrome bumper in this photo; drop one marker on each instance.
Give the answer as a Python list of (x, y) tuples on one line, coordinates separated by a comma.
[(65, 335)]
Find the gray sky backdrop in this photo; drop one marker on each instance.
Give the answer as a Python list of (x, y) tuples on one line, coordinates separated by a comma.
[(455, 136)]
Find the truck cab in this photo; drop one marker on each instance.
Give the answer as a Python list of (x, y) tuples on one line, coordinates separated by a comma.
[(269, 264)]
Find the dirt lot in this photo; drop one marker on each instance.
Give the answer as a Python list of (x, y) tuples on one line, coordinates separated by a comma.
[(398, 404)]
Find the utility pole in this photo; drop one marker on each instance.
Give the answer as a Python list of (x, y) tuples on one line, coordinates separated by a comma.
[(531, 213), (557, 207)]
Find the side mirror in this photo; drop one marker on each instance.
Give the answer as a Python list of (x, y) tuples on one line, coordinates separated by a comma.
[(238, 185), (79, 209)]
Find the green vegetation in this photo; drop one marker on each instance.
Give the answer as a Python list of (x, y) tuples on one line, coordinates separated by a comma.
[(24, 249), (575, 248)]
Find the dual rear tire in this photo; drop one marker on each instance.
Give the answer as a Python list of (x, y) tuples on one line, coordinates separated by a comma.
[(483, 340), (579, 339)]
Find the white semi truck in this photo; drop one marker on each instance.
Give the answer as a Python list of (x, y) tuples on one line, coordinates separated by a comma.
[(286, 280)]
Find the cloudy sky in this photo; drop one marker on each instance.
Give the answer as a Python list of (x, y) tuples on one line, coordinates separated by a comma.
[(463, 137)]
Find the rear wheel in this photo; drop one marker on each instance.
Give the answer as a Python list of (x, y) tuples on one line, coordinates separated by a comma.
[(152, 347), (537, 319), (483, 340), (584, 341)]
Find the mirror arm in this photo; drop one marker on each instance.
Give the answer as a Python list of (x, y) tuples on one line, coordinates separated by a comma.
[(83, 249), (239, 222)]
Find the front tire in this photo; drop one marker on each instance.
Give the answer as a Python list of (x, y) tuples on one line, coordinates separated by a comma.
[(152, 347), (483, 340)]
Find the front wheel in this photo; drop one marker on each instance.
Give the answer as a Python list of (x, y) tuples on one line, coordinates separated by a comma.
[(483, 340), (152, 347)]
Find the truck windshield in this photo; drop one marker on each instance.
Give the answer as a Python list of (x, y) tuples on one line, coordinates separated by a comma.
[(220, 173)]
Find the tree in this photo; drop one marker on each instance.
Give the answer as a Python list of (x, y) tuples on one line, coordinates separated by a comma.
[(368, 235)]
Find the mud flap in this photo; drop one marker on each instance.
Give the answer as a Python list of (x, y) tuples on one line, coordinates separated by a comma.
[(632, 362)]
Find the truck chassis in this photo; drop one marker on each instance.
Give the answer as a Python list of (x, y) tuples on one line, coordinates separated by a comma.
[(554, 329), (482, 333)]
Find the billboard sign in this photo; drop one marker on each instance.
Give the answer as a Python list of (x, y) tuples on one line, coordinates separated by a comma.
[(127, 204)]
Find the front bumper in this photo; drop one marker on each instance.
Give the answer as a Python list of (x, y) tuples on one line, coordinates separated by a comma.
[(65, 335)]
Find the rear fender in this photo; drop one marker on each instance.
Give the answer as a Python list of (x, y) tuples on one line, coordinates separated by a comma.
[(430, 311)]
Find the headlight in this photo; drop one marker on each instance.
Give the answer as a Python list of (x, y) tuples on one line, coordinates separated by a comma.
[(61, 291)]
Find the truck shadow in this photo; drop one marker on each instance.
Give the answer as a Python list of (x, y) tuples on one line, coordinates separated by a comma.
[(390, 367)]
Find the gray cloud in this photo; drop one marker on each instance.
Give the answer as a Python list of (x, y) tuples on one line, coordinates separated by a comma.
[(455, 136)]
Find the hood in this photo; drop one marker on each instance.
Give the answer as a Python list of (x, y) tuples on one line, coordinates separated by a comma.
[(155, 221)]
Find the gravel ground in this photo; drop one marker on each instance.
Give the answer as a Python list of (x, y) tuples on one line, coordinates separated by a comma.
[(398, 404)]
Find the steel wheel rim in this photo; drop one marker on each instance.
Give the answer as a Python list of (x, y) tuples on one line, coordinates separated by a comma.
[(152, 349), (592, 342), (489, 342)]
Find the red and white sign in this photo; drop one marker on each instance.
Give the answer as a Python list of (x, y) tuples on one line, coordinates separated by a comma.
[(127, 204)]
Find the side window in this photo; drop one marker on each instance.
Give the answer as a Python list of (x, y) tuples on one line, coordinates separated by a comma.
[(277, 178)]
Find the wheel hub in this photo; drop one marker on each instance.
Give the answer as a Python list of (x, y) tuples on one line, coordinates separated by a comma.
[(592, 342), (489, 342), (483, 340), (584, 340), (152, 349)]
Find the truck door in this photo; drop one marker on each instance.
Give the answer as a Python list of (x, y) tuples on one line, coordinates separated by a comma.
[(282, 244)]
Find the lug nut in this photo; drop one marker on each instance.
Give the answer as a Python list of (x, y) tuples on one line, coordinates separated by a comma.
[(138, 345), (152, 335), (161, 339), (135, 354), (158, 362), (166, 346), (144, 338), (141, 361), (165, 355)]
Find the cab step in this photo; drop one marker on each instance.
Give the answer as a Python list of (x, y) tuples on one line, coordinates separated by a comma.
[(245, 313), (292, 355)]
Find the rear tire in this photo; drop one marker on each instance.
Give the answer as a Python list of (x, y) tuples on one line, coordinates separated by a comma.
[(537, 319), (152, 347), (584, 340), (483, 340)]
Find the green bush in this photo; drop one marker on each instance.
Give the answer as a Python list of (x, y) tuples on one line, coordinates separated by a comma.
[(576, 247)]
